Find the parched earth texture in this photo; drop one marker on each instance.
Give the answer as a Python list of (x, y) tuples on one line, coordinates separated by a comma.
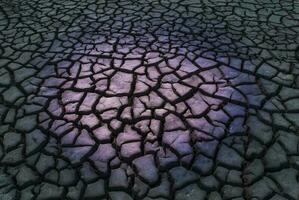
[(149, 100)]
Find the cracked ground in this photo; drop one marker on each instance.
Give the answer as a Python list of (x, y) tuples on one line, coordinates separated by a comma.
[(149, 100)]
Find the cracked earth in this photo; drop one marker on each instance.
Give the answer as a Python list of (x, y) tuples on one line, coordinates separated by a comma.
[(149, 100)]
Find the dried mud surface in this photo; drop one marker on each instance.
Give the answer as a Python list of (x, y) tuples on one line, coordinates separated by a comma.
[(151, 100)]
